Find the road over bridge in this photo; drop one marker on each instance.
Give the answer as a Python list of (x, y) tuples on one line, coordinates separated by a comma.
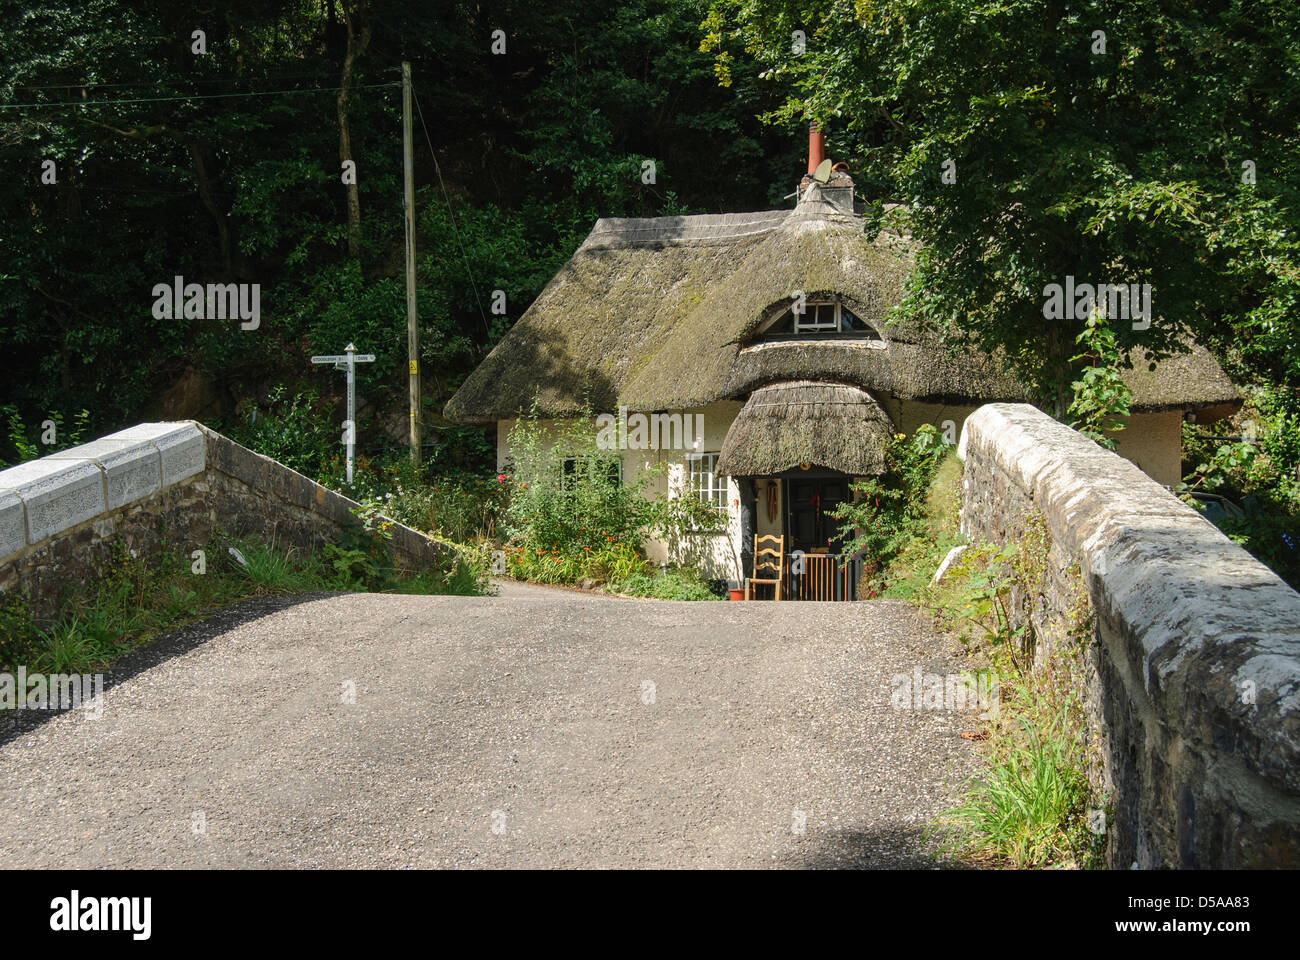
[(540, 728)]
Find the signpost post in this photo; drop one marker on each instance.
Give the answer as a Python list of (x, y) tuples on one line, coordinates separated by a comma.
[(349, 363)]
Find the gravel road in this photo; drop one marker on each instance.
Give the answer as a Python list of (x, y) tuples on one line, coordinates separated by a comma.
[(540, 728)]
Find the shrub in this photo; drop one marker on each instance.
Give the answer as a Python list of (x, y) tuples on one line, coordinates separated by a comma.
[(567, 493), (1101, 398), (573, 516), (1259, 469), (889, 511), (613, 563), (673, 584), (463, 509), (26, 448), (291, 431)]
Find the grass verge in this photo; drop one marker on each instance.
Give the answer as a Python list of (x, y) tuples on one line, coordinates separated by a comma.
[(135, 599), (670, 584)]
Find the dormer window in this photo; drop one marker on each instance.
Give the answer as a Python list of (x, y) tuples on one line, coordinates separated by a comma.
[(819, 318)]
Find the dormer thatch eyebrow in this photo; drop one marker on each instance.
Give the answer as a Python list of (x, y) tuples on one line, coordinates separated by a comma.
[(825, 316)]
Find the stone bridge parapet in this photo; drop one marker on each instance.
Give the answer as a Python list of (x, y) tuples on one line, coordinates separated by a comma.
[(1197, 644), (155, 484)]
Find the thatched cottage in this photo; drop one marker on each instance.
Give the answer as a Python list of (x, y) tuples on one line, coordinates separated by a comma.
[(767, 330)]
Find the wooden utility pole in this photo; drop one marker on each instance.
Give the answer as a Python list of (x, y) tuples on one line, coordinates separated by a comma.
[(412, 320)]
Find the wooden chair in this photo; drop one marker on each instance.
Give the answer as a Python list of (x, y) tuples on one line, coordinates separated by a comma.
[(767, 559)]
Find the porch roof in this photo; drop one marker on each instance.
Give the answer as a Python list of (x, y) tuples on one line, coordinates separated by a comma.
[(787, 424)]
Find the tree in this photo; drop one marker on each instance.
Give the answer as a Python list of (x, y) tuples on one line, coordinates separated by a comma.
[(224, 166), (1115, 141)]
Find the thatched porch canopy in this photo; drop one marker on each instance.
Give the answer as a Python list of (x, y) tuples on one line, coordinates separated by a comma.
[(788, 424)]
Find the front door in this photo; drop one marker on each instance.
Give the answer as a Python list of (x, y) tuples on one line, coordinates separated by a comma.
[(809, 504)]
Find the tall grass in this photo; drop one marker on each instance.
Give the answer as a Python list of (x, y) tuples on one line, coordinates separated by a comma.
[(1030, 808), (271, 570)]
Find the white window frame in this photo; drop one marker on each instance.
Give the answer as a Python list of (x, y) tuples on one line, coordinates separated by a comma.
[(834, 325), (703, 482)]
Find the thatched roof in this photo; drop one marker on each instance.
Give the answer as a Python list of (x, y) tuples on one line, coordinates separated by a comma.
[(655, 313), (784, 425)]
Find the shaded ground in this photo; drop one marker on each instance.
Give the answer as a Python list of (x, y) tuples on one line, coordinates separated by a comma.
[(511, 731)]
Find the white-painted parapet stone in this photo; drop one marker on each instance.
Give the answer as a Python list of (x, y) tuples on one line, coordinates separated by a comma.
[(56, 494), (132, 468), (180, 446), (13, 524), (42, 498)]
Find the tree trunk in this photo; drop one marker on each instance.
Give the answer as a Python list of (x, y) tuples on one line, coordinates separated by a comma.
[(356, 46), (205, 194)]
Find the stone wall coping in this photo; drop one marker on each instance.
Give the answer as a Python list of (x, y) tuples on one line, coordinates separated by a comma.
[(1203, 621), (55, 494), (45, 497)]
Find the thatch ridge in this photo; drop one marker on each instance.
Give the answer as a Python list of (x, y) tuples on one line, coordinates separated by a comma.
[(655, 313)]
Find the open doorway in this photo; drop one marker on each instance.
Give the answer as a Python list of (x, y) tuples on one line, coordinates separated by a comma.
[(810, 501)]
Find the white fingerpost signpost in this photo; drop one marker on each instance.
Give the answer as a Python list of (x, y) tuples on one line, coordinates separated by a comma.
[(349, 363)]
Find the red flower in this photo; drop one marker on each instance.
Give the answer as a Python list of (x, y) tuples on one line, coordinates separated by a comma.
[(501, 478)]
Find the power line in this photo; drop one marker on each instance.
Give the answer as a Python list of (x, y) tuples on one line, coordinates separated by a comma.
[(451, 215), (152, 83), (197, 96)]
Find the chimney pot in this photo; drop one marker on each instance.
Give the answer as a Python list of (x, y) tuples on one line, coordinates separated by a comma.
[(816, 146)]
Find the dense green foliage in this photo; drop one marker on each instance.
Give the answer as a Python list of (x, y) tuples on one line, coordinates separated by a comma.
[(573, 516), (1163, 152), (1026, 146), (1244, 474), (1101, 401), (568, 493), (463, 508), (50, 436), (292, 431), (160, 172), (1112, 141)]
